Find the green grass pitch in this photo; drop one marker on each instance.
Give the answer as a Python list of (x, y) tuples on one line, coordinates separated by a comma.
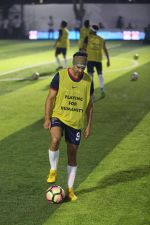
[(113, 178)]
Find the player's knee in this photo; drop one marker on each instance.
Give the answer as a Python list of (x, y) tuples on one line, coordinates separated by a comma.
[(55, 142)]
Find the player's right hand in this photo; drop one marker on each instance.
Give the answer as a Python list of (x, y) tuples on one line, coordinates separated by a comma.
[(47, 124)]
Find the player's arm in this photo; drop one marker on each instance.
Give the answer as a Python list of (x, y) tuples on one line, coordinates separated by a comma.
[(89, 113), (49, 107), (53, 90), (59, 37), (106, 53)]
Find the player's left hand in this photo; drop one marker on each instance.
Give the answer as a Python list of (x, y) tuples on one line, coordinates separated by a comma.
[(108, 63), (86, 133)]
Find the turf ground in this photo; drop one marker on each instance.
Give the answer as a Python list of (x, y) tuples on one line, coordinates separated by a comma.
[(113, 179)]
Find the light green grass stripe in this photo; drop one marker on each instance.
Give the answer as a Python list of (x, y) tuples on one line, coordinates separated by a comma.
[(22, 107), (117, 191), (23, 62)]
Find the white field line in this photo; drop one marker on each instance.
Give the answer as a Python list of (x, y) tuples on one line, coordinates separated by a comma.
[(135, 64), (40, 64), (27, 67)]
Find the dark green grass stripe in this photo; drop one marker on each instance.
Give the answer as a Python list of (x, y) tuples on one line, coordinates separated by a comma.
[(27, 48), (26, 51), (24, 156)]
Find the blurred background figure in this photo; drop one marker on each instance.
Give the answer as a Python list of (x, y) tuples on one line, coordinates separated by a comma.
[(120, 22), (147, 35), (84, 32), (62, 44), (51, 28), (101, 26), (129, 26), (5, 28), (16, 27), (77, 27)]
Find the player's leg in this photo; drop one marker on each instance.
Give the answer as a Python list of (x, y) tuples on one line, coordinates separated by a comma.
[(100, 77), (57, 52), (56, 134), (90, 70), (64, 52), (71, 170), (72, 137)]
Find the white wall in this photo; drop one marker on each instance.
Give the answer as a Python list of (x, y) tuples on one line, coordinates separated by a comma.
[(36, 16)]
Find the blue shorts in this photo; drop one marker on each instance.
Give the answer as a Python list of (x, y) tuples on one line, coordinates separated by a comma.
[(92, 64), (61, 51), (72, 135)]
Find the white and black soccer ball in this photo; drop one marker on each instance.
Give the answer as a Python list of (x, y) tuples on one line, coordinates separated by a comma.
[(134, 76), (55, 194), (35, 76)]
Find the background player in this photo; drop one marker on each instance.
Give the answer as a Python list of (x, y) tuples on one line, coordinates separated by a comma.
[(95, 46), (62, 44), (84, 32)]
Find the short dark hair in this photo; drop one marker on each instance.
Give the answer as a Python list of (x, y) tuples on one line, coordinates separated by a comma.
[(86, 23), (84, 54), (63, 23)]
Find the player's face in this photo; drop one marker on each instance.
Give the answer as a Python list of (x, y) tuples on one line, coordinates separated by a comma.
[(78, 70)]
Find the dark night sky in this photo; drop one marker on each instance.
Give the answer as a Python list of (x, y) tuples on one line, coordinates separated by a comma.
[(11, 2)]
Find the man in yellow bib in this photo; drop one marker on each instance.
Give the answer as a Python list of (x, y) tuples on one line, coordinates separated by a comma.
[(62, 44), (84, 32), (69, 99), (95, 46)]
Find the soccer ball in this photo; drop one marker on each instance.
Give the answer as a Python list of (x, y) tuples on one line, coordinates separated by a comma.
[(35, 76), (134, 76), (55, 194), (136, 56)]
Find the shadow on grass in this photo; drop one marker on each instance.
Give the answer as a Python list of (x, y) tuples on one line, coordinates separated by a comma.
[(119, 177), (24, 156), (10, 86)]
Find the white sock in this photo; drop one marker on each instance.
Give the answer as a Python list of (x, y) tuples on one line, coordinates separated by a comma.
[(72, 170), (101, 82), (58, 61), (65, 62), (53, 159)]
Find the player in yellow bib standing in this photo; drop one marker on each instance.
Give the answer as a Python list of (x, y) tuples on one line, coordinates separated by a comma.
[(84, 32), (62, 44), (69, 99), (95, 46)]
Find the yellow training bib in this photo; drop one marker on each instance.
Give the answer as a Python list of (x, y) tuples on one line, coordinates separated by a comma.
[(72, 99), (95, 48)]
